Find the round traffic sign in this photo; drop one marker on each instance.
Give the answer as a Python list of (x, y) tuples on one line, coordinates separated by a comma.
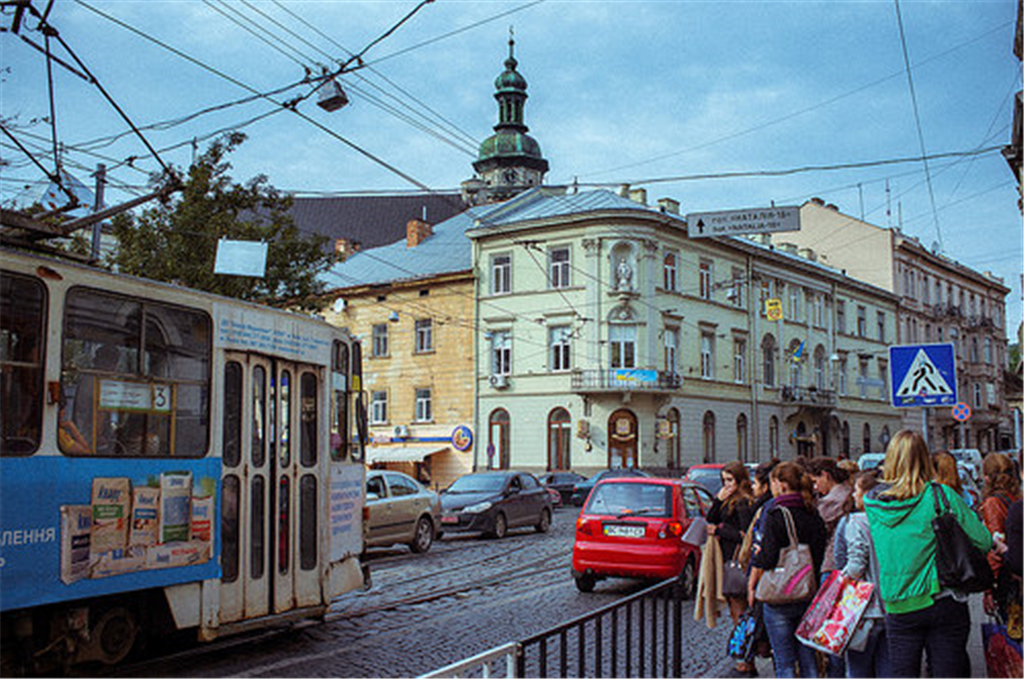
[(961, 412)]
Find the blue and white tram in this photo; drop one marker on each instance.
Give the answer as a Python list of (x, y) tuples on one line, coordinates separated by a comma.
[(168, 459)]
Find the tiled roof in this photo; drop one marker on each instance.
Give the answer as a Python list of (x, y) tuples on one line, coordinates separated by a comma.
[(371, 221), (540, 204)]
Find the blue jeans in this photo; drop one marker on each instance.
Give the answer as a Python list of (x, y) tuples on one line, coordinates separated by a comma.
[(873, 661), (781, 622), (942, 629)]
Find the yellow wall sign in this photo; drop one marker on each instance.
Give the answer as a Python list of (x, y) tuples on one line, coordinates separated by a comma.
[(773, 309)]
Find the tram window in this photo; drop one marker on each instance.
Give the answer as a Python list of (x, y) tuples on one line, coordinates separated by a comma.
[(340, 358), (257, 544), (232, 451), (22, 316), (284, 519), (285, 418), (308, 522), (310, 426), (229, 530), (339, 425), (136, 376), (259, 416)]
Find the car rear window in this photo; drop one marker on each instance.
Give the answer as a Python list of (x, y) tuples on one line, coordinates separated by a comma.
[(642, 499)]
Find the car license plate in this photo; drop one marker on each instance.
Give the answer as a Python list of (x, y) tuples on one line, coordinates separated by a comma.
[(620, 531), (449, 519)]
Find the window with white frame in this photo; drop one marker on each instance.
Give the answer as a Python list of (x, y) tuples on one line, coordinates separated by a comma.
[(863, 377), (988, 350), (561, 349), (706, 273), (794, 302), (560, 268), (379, 407), (380, 340), (707, 355), (883, 376), (424, 335), (862, 321), (737, 288), (765, 293), (842, 376), (819, 310), (622, 343), (501, 353), (671, 348), (424, 409), (809, 306), (974, 350), (977, 394), (990, 393), (768, 360), (739, 360), (819, 368), (926, 295), (840, 316), (670, 267), (501, 274)]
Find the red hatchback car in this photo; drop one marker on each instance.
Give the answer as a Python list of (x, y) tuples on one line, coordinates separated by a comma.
[(632, 527)]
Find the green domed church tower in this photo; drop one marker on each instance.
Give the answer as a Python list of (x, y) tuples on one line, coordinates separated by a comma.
[(509, 161)]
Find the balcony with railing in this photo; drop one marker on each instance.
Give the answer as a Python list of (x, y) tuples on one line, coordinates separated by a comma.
[(625, 379), (809, 396)]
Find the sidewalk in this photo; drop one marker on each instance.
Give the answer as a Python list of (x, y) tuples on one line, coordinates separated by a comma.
[(974, 649)]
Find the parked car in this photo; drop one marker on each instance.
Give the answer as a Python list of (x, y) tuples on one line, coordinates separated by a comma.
[(493, 502), (556, 497), (563, 482), (583, 488), (708, 475), (401, 511), (632, 527)]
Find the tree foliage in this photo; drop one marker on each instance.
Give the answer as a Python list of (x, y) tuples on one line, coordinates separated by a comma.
[(177, 241)]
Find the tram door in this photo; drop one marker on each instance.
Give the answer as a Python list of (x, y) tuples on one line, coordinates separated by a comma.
[(271, 487)]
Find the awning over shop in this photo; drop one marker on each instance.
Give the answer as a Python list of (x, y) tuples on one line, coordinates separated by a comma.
[(401, 453)]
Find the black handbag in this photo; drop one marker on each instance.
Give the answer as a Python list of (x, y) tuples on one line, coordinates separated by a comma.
[(961, 565)]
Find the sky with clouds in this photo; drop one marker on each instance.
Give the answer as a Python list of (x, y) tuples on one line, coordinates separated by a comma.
[(649, 93)]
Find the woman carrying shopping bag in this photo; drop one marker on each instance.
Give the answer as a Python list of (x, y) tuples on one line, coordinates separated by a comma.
[(791, 525), (921, 613), (868, 652)]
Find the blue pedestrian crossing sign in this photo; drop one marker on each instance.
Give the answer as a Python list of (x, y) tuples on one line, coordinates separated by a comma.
[(922, 375)]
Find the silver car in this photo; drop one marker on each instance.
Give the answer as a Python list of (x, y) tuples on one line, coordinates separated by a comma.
[(401, 511)]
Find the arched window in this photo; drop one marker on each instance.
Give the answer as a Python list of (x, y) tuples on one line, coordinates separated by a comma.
[(709, 437), (671, 271), (674, 444), (773, 436), (741, 437), (559, 436), (499, 441), (768, 360), (885, 437), (867, 437)]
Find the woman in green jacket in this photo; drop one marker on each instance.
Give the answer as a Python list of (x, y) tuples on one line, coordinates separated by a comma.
[(920, 613)]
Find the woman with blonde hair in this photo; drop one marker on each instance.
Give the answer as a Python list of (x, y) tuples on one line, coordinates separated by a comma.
[(920, 613)]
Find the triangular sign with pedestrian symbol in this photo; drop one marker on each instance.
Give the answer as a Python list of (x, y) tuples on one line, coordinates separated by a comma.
[(923, 379)]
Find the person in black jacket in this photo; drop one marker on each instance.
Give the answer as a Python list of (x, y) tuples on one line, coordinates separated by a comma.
[(792, 491), (729, 519)]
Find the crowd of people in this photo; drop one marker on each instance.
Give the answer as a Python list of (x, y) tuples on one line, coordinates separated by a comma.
[(874, 526)]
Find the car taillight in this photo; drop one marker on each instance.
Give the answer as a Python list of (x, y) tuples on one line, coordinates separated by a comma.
[(670, 529), (584, 526)]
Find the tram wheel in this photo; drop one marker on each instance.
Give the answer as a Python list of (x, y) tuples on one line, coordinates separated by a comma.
[(115, 633)]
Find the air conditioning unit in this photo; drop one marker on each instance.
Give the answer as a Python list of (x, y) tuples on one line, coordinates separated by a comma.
[(402, 431), (499, 381)]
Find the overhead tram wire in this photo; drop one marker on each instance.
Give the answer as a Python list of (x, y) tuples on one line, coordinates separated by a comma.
[(802, 111), (917, 120), (453, 129), (251, 31)]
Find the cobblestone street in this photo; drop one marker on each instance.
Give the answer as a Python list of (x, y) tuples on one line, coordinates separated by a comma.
[(466, 595)]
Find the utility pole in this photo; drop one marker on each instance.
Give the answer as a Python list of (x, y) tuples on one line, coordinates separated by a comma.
[(97, 228)]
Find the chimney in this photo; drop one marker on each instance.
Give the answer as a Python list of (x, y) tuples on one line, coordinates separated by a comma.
[(669, 205), (417, 231), (345, 247), (638, 196)]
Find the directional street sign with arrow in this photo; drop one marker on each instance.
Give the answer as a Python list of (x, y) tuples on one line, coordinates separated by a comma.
[(922, 375), (737, 222)]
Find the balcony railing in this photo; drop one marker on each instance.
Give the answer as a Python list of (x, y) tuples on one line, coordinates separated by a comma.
[(809, 396), (625, 379)]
